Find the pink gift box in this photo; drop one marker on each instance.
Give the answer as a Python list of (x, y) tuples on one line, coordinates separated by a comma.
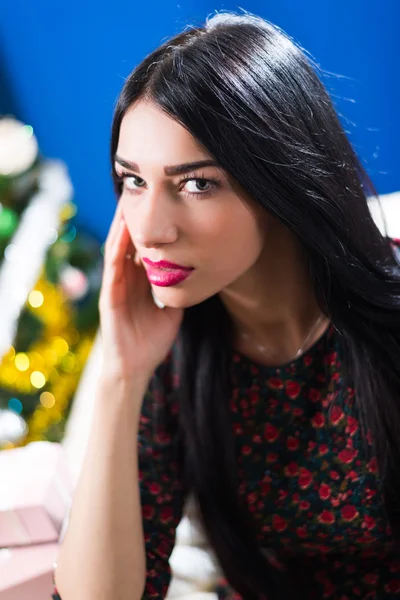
[(27, 573), (35, 494)]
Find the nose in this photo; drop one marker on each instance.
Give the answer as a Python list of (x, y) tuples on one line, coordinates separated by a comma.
[(154, 221)]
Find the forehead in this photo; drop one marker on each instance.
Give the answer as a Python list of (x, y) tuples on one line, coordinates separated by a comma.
[(148, 134)]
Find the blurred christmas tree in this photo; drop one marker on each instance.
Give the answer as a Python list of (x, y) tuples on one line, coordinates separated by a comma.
[(50, 276)]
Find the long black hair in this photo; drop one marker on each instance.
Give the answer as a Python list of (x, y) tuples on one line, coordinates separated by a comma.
[(252, 97)]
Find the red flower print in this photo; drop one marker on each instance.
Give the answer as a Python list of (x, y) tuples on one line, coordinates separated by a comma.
[(166, 514), (292, 443), (275, 383), (371, 578), (330, 358), (314, 395), (323, 449), (324, 491), (352, 425), (326, 517), (246, 450), (369, 522), (265, 488), (337, 414), (302, 531), (147, 511), (318, 420), (393, 587), (305, 478), (369, 493), (270, 432), (278, 523), (254, 397), (329, 588), (154, 488), (237, 428), (372, 465), (163, 437), (304, 505), (349, 512), (296, 497), (394, 566), (291, 469), (307, 360), (335, 502), (352, 475), (272, 457), (251, 498), (347, 455), (151, 590), (292, 389), (334, 475)]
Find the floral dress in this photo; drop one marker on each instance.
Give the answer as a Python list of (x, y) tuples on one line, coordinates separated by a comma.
[(302, 471)]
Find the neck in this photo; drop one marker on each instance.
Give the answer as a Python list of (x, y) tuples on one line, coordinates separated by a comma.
[(274, 302)]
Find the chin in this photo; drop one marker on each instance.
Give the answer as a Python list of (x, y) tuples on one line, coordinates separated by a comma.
[(174, 298)]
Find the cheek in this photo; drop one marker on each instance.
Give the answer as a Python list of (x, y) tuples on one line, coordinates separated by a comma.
[(237, 239)]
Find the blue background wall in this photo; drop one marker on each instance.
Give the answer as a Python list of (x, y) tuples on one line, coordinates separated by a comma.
[(63, 65)]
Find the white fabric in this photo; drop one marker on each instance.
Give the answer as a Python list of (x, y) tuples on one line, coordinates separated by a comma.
[(28, 247)]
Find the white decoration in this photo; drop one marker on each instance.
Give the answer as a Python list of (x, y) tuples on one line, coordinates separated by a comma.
[(12, 426), (18, 147), (21, 267)]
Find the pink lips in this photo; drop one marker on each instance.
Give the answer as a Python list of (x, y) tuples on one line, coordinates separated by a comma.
[(164, 273)]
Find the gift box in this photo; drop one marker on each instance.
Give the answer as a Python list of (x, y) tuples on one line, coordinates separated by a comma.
[(35, 494), (26, 573)]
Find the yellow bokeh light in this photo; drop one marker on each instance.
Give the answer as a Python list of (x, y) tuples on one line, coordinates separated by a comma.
[(47, 400), (8, 375), (60, 346), (37, 361), (56, 416), (68, 211), (9, 355), (69, 362), (38, 380), (22, 361), (35, 298)]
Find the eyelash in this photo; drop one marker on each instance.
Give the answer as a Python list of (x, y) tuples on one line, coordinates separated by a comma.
[(120, 178)]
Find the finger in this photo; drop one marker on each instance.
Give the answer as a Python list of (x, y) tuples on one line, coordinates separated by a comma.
[(113, 232), (116, 256)]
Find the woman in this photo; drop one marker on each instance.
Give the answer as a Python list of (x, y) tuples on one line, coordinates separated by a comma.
[(269, 384)]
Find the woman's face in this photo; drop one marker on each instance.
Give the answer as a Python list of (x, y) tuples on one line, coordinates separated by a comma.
[(193, 218)]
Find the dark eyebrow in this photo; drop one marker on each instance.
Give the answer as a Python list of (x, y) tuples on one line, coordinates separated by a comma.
[(171, 170)]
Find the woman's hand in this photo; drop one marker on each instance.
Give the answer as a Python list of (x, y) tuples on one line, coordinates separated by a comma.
[(136, 334)]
